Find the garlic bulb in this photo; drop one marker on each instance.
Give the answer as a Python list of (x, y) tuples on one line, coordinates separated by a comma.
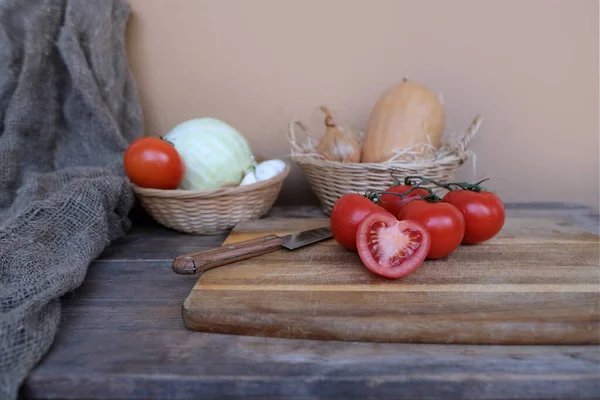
[(263, 171), (268, 169), (249, 179)]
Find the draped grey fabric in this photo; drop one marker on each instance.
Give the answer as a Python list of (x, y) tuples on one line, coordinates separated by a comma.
[(68, 110)]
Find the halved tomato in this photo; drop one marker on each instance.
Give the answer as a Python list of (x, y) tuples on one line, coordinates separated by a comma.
[(391, 248)]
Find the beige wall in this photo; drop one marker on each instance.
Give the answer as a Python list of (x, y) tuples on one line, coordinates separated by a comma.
[(530, 67)]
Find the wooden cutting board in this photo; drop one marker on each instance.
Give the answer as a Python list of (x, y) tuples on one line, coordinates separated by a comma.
[(537, 282)]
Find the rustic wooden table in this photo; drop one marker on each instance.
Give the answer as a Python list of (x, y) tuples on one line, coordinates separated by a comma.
[(123, 338)]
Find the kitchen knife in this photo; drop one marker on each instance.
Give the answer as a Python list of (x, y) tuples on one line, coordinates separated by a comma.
[(189, 264)]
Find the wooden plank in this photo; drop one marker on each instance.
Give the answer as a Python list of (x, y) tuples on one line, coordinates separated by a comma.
[(538, 282), (174, 363), (122, 337), (140, 361)]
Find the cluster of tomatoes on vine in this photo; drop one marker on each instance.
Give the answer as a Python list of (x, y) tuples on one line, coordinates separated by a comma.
[(396, 230)]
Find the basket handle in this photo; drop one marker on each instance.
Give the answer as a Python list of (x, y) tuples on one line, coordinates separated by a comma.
[(292, 135), (463, 145)]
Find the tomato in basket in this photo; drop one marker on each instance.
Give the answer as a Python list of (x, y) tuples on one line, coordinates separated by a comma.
[(151, 162)]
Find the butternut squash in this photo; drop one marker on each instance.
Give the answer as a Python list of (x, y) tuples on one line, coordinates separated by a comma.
[(407, 118)]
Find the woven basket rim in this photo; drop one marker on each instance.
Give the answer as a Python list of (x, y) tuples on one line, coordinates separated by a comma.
[(451, 155), (207, 194), (386, 166)]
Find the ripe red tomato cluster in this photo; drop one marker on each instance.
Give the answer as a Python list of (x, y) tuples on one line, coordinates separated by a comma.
[(409, 224)]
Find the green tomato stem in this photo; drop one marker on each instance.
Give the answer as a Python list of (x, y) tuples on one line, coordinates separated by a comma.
[(417, 181), (375, 195)]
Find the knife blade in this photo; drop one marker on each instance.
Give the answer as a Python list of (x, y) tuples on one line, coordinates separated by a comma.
[(191, 263)]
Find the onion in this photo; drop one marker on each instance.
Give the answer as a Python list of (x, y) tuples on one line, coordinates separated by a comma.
[(338, 144)]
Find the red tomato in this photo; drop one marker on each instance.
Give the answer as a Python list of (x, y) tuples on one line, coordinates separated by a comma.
[(151, 162), (391, 248), (445, 223), (346, 214), (483, 211), (394, 203)]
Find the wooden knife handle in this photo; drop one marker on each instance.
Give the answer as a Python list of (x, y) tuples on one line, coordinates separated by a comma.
[(189, 264)]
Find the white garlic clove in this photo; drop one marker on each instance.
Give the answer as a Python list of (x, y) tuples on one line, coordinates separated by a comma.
[(249, 179), (268, 169)]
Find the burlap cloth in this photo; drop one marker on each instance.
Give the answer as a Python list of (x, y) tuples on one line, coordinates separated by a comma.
[(68, 110)]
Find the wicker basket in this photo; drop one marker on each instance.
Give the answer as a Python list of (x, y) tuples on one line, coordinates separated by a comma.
[(331, 179), (212, 211)]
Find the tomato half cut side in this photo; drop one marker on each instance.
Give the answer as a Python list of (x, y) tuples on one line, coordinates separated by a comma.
[(391, 248)]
